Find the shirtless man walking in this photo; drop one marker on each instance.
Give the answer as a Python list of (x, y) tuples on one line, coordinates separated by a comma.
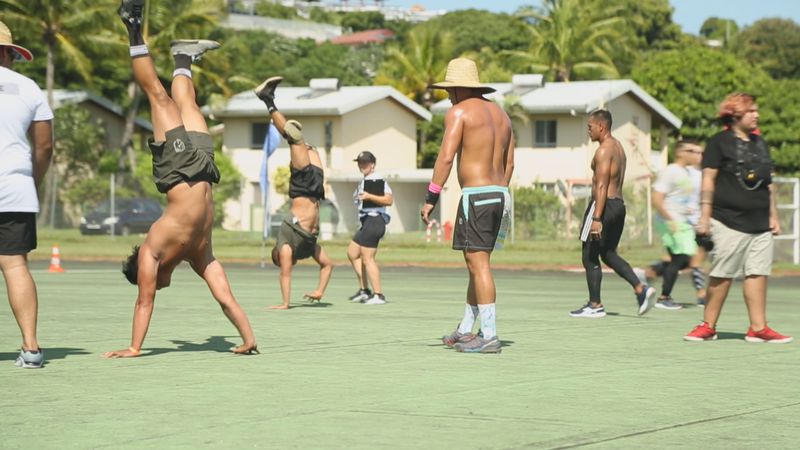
[(297, 238), (604, 220), (183, 167), (477, 132)]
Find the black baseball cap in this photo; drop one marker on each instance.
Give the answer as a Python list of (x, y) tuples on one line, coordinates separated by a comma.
[(365, 157)]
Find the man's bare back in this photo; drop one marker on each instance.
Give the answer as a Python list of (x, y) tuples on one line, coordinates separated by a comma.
[(485, 142)]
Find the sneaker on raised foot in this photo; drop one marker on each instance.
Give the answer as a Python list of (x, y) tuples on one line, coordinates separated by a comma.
[(768, 335), (30, 360), (669, 304), (646, 299), (266, 90), (130, 11), (588, 311), (377, 299), (479, 344), (360, 296), (192, 47), (702, 332)]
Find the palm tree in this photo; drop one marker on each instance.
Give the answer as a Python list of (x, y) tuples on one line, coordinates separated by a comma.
[(570, 38), (413, 67), (65, 27)]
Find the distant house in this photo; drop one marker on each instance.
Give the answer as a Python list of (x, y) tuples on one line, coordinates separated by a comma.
[(341, 122), (99, 107), (364, 37), (292, 29), (553, 147)]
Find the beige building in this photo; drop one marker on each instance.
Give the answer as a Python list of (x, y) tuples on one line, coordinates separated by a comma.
[(340, 122), (553, 147)]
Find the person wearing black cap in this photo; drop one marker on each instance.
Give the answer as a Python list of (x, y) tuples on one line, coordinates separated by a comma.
[(297, 238), (25, 112), (372, 196)]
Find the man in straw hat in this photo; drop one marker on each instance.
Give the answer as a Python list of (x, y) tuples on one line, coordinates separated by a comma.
[(479, 133), (25, 113), (183, 168)]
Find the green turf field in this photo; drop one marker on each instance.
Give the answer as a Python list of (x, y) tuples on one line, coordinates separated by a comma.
[(344, 375)]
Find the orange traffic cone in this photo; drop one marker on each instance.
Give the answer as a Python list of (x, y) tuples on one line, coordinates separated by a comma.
[(55, 260)]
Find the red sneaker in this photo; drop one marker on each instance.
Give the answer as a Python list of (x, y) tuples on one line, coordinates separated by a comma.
[(767, 335), (702, 332)]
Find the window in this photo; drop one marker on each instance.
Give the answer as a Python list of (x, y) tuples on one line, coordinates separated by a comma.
[(258, 131), (544, 133)]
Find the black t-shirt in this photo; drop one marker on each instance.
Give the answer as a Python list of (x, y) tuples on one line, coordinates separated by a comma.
[(741, 202)]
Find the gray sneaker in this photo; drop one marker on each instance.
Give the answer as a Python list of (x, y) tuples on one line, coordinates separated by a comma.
[(192, 47), (479, 344), (455, 337), (669, 304), (30, 360)]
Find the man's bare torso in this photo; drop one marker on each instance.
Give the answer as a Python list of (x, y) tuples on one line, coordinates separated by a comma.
[(183, 232), (485, 141), (610, 151)]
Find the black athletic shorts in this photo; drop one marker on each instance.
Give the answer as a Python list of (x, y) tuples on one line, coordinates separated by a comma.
[(184, 156), (372, 230), (480, 214), (17, 233)]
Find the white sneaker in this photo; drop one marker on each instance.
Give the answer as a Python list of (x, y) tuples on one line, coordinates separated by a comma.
[(377, 299)]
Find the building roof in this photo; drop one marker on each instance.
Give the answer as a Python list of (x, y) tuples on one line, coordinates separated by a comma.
[(63, 97), (378, 36), (576, 97), (304, 101)]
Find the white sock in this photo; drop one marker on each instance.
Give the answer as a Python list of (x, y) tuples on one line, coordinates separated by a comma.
[(488, 327), (470, 314), (139, 50), (184, 72)]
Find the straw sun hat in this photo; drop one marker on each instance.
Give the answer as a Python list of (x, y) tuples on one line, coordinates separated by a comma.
[(7, 41), (462, 72)]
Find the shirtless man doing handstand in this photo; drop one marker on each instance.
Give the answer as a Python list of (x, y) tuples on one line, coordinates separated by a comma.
[(183, 168), (297, 238)]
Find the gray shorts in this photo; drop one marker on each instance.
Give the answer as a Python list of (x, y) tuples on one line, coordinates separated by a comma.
[(738, 254)]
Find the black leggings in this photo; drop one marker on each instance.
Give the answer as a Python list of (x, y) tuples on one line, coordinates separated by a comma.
[(669, 270), (606, 248)]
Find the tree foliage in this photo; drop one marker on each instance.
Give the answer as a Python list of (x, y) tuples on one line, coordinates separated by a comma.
[(773, 45), (691, 83), (570, 39), (363, 20), (717, 28), (472, 30)]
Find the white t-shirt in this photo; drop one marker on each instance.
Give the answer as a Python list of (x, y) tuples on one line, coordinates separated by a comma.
[(375, 210), (21, 102), (694, 201), (676, 183)]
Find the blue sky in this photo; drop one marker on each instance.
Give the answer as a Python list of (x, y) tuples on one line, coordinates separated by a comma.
[(689, 14)]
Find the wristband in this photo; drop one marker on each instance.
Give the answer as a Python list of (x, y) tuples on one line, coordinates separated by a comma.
[(134, 351), (596, 219), (432, 197)]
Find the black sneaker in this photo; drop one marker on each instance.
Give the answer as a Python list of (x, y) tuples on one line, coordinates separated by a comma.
[(130, 11), (266, 90), (360, 296)]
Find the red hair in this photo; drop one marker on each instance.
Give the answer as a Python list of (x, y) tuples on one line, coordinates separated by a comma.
[(735, 105)]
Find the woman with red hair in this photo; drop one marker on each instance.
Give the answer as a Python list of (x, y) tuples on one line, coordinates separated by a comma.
[(738, 209)]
